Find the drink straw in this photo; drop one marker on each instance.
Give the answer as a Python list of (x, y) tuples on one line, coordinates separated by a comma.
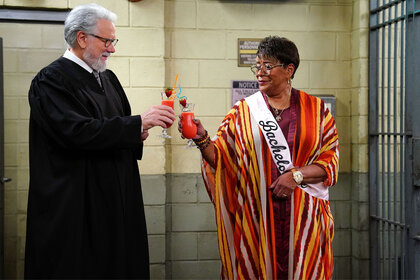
[(180, 97), (172, 97), (176, 78)]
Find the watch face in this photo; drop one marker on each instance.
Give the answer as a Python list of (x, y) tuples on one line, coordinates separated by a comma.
[(298, 177)]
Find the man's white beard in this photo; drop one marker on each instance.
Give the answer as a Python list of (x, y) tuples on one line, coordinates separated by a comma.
[(96, 63)]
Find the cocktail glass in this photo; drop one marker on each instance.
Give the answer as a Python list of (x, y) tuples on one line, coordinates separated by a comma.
[(189, 128), (167, 102)]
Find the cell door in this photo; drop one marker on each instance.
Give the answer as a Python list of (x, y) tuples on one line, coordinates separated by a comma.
[(2, 179), (394, 139)]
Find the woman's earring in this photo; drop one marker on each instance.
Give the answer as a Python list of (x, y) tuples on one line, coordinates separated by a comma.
[(288, 81)]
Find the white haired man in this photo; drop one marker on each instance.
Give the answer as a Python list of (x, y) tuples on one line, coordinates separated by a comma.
[(85, 208)]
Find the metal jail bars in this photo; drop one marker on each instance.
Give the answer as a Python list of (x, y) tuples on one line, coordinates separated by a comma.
[(392, 218)]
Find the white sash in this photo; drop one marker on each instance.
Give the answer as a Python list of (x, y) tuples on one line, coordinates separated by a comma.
[(271, 131), (277, 143)]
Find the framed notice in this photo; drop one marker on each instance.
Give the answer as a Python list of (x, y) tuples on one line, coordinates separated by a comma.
[(329, 102), (242, 89), (247, 51)]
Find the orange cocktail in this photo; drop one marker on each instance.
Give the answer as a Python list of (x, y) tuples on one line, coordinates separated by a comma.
[(170, 103), (189, 128), (167, 100)]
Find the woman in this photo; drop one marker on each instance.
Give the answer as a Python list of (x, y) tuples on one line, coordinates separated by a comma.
[(268, 170)]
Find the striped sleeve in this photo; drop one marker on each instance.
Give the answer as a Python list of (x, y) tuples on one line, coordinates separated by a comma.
[(329, 152), (316, 138), (224, 143)]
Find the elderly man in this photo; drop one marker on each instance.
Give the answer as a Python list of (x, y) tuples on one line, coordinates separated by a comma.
[(85, 209)]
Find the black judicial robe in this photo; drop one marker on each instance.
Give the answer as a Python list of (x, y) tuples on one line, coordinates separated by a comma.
[(85, 208)]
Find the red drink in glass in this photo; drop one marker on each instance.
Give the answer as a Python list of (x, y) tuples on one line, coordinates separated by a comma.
[(189, 128), (169, 103)]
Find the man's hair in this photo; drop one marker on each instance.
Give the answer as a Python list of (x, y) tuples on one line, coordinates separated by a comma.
[(282, 49), (84, 18)]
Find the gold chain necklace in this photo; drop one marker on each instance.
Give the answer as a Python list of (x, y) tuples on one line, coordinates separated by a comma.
[(277, 114)]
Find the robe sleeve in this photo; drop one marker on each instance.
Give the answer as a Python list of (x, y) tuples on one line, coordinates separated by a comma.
[(222, 181), (70, 121), (329, 152), (138, 151)]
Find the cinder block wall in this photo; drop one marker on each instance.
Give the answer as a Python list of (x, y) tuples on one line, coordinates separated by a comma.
[(26, 49), (202, 46), (197, 39), (360, 141)]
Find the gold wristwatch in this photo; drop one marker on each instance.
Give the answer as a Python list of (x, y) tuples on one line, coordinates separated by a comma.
[(297, 176)]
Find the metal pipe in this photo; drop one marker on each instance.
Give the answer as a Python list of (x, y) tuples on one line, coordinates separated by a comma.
[(403, 140), (383, 146), (395, 139), (386, 6), (388, 221), (374, 145), (389, 99)]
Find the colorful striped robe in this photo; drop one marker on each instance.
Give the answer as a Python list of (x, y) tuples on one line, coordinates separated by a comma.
[(238, 188)]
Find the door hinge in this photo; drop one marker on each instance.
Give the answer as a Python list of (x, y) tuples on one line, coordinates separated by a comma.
[(5, 180)]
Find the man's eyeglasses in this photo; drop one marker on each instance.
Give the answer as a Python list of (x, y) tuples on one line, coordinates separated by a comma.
[(107, 41), (265, 67)]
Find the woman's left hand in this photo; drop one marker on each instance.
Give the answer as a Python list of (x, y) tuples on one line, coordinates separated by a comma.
[(284, 185)]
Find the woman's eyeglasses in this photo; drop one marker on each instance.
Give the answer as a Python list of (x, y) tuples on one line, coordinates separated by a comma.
[(264, 67)]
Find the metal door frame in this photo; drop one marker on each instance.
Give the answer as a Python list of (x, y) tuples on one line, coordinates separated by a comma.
[(413, 125), (24, 15), (1, 163), (394, 139)]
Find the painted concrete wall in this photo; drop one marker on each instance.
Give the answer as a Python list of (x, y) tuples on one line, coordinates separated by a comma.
[(197, 39), (359, 141)]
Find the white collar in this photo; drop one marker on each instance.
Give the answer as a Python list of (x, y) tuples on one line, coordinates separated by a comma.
[(71, 56)]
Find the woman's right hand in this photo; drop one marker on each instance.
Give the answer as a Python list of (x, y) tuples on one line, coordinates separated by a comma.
[(207, 148), (201, 132)]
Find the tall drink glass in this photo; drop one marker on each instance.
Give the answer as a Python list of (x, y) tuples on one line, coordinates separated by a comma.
[(167, 102), (189, 128)]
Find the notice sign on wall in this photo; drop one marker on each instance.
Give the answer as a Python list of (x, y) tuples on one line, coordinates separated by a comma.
[(247, 51), (242, 89)]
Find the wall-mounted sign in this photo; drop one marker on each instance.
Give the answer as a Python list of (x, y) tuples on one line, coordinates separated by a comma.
[(247, 50), (330, 101), (242, 89)]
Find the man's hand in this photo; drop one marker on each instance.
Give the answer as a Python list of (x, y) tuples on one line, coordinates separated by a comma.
[(158, 115), (144, 134)]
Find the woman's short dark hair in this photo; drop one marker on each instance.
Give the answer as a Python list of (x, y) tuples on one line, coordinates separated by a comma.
[(281, 49)]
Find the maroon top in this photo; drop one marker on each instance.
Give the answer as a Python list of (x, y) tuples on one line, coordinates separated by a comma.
[(281, 210)]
